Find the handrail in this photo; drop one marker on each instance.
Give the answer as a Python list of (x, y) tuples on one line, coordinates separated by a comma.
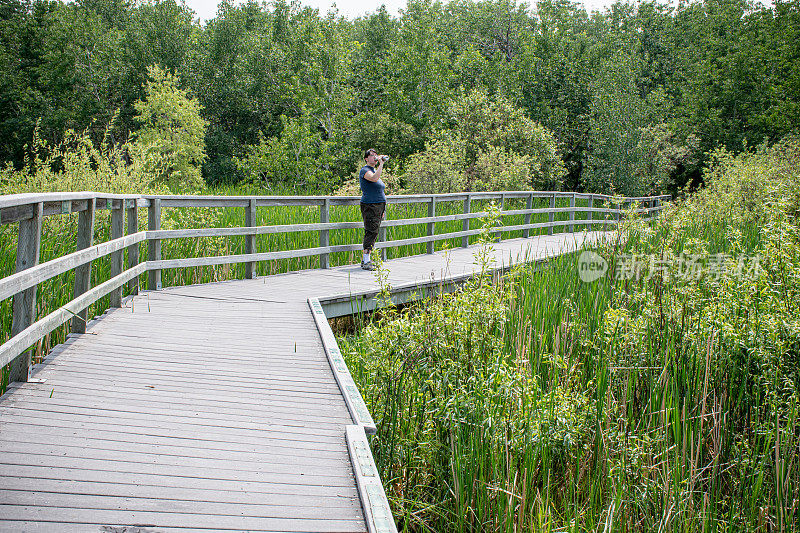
[(29, 210)]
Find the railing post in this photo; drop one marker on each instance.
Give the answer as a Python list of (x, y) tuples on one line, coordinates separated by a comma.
[(656, 203), (133, 250), (617, 206), (250, 240), (382, 233), (590, 205), (29, 243), (83, 273), (550, 215), (325, 235), (572, 213), (467, 207), (154, 245), (117, 231), (528, 205), (500, 220), (431, 225)]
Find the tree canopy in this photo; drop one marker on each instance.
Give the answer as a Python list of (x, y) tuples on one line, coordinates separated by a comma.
[(707, 74)]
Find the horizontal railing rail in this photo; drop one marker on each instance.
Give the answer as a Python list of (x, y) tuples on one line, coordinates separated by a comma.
[(29, 210)]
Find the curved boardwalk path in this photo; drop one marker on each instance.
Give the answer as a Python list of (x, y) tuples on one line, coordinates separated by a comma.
[(206, 407)]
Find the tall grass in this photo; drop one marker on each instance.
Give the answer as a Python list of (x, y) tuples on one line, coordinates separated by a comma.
[(663, 403)]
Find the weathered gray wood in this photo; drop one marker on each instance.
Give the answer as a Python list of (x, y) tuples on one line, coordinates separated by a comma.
[(355, 403), (377, 513), (467, 207), (550, 214), (117, 232), (431, 225), (250, 240), (324, 235), (133, 250), (42, 272), (571, 228), (499, 234), (528, 206), (24, 304), (83, 273), (27, 337), (589, 207), (127, 490), (382, 234), (154, 245)]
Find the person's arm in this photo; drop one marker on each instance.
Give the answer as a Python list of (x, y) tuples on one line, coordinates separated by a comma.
[(374, 176)]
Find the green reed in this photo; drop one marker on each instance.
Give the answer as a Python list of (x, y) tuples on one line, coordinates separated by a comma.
[(656, 403)]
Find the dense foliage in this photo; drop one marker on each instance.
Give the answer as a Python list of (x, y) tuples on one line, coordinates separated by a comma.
[(658, 398), (630, 99)]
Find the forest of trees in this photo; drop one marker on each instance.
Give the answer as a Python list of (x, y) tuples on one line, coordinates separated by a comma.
[(629, 100)]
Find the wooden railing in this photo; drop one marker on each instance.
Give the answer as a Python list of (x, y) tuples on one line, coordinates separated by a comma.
[(29, 210)]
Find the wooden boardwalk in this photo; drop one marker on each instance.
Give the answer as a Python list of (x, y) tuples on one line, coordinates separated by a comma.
[(206, 407)]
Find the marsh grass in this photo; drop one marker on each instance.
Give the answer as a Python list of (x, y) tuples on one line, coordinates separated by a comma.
[(657, 403)]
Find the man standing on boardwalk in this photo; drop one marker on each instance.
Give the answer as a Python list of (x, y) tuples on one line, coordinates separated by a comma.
[(373, 201)]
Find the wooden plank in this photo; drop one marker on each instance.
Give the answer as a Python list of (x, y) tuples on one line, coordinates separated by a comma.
[(465, 228), (431, 225), (159, 519), (352, 397), (551, 213), (83, 273), (276, 433), (528, 206), (324, 415), (127, 490), (154, 480), (217, 470), (306, 407), (261, 463), (265, 508), (24, 304), (154, 246), (571, 228), (185, 438), (250, 220), (133, 250), (377, 514), (324, 235), (117, 232)]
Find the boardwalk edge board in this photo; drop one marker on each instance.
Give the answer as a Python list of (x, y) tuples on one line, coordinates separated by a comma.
[(355, 403), (377, 513)]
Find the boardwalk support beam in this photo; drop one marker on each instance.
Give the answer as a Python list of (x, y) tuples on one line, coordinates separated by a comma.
[(324, 235), (24, 303), (117, 232), (83, 273), (133, 250), (250, 240), (467, 207), (431, 225), (572, 213), (154, 245)]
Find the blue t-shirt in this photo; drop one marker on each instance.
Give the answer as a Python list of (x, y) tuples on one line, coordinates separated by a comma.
[(371, 192)]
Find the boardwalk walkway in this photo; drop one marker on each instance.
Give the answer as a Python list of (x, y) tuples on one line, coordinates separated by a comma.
[(206, 407)]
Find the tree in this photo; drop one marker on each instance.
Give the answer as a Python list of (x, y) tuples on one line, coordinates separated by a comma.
[(485, 143), (171, 137)]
